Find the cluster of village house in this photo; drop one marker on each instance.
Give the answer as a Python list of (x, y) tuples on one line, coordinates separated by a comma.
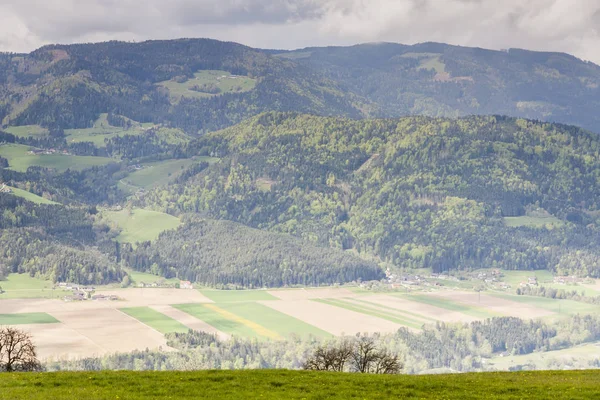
[(83, 293), (4, 188), (38, 152), (493, 277), (163, 284)]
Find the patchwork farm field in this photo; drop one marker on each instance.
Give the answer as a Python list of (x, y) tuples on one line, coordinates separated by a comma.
[(141, 316)]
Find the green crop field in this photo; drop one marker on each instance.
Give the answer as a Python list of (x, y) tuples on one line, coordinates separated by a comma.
[(23, 286), (282, 384), (26, 319), (451, 305), (155, 319), (555, 305), (226, 296), (220, 81), (19, 159), (374, 312), (159, 173), (27, 130), (30, 196), (221, 320), (141, 225), (273, 320), (250, 319)]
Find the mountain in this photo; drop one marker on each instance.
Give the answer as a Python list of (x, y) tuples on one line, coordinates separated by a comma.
[(412, 192), (295, 167), (449, 81), (200, 85)]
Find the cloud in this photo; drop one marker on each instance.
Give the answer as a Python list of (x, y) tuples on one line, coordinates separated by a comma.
[(571, 26)]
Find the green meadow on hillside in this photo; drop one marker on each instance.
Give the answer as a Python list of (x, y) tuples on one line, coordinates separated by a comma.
[(158, 173), (283, 384), (141, 225), (208, 83), (30, 196), (27, 130), (20, 159)]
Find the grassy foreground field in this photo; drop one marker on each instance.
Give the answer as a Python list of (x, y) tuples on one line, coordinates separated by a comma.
[(281, 384)]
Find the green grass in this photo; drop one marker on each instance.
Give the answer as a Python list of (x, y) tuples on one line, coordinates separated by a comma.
[(23, 286), (19, 159), (223, 80), (282, 384), (217, 320), (26, 319), (514, 278), (27, 130), (227, 296), (30, 196), (155, 319), (273, 320), (160, 173), (138, 277), (532, 222), (103, 130), (452, 305), (372, 311), (555, 305), (141, 225)]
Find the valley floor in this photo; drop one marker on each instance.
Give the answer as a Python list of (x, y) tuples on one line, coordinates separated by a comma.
[(282, 384)]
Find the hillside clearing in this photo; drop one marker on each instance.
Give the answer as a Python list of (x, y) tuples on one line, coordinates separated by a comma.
[(30, 196), (19, 159), (140, 225)]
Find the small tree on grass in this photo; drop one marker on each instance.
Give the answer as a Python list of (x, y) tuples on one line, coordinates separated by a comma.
[(17, 351)]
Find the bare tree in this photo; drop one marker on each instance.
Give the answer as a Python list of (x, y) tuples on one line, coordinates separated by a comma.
[(364, 355), (17, 351), (358, 355), (330, 358), (387, 363)]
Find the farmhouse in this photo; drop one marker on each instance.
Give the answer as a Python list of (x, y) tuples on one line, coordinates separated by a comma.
[(4, 189), (185, 285)]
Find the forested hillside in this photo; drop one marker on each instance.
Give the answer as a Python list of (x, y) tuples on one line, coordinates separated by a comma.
[(415, 192), (285, 174), (200, 85), (449, 81)]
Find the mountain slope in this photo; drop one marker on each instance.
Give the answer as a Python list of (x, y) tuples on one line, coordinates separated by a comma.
[(70, 86), (414, 192), (442, 80)]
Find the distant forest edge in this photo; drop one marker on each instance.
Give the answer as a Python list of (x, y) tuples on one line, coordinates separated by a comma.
[(295, 199), (200, 85)]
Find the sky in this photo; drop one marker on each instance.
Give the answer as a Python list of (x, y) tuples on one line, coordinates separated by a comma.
[(571, 26)]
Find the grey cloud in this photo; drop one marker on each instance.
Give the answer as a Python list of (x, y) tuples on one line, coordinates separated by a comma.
[(571, 26)]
